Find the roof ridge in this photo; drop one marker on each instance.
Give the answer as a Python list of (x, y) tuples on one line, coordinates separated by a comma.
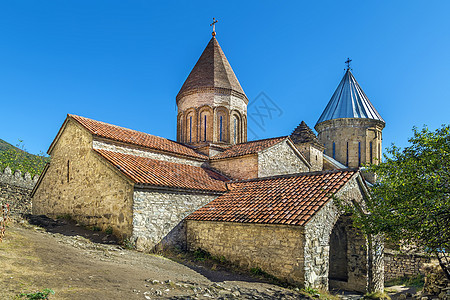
[(266, 139), (195, 154), (298, 175), (121, 127)]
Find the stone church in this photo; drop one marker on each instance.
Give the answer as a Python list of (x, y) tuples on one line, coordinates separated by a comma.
[(264, 203)]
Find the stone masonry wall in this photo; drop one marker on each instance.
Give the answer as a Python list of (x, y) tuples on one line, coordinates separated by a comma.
[(244, 167), (276, 249), (81, 184), (280, 159), (158, 216), (398, 265), (192, 105), (313, 155), (352, 132), (147, 153), (317, 247), (15, 189)]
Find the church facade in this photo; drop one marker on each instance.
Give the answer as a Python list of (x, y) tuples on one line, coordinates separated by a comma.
[(265, 203)]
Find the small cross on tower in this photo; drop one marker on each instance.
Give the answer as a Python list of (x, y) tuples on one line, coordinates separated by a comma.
[(348, 61), (213, 24)]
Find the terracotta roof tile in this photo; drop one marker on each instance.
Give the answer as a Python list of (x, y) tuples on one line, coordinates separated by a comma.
[(248, 147), (275, 200), (134, 137), (143, 170)]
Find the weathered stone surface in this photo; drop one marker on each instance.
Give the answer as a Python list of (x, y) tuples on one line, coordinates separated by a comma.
[(298, 254), (355, 133), (398, 264), (16, 179), (15, 189), (280, 159), (79, 183), (276, 249), (312, 154), (17, 197), (243, 167), (212, 105), (158, 216)]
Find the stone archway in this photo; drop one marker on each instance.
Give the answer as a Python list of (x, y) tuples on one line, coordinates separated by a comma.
[(338, 257)]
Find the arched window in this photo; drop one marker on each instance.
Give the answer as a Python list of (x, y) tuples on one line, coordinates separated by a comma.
[(236, 130), (181, 129)]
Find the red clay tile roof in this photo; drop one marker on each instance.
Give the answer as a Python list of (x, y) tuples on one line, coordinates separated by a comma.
[(248, 147), (154, 172), (290, 200), (134, 137)]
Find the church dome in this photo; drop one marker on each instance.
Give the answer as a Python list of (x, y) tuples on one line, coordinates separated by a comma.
[(349, 101), (212, 72)]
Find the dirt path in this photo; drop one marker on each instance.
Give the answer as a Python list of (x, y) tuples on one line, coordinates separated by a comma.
[(76, 268)]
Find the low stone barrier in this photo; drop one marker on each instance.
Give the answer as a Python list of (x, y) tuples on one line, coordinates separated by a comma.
[(15, 189)]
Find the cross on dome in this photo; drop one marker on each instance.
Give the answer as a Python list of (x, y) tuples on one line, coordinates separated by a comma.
[(213, 24)]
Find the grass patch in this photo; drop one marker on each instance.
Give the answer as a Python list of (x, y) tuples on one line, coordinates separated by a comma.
[(415, 281), (377, 296), (36, 295)]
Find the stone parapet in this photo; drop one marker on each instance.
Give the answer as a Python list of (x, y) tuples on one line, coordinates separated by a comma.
[(17, 179)]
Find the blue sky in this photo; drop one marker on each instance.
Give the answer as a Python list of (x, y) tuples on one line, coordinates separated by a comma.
[(123, 62)]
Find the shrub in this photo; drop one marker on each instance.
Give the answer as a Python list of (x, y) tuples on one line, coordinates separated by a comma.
[(37, 295)]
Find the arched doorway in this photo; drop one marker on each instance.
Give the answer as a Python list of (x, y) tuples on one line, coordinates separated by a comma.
[(338, 264)]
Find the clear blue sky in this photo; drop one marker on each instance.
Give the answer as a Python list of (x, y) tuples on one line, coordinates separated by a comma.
[(123, 62)]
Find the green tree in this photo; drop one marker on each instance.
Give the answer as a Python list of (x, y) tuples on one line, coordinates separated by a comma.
[(410, 203), (17, 158)]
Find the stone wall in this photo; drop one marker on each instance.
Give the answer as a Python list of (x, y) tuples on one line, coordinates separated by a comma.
[(276, 249), (348, 135), (398, 264), (280, 159), (80, 183), (158, 216), (211, 103), (15, 189), (313, 155), (127, 149), (317, 249), (243, 167)]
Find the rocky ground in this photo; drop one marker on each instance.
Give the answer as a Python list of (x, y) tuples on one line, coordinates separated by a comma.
[(83, 264)]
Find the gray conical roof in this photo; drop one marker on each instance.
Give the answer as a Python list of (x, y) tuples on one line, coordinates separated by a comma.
[(349, 101), (212, 71)]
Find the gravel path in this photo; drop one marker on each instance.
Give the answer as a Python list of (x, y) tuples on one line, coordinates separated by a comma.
[(75, 267)]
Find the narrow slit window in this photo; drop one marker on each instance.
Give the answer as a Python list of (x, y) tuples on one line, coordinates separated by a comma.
[(359, 154), (235, 130), (68, 171), (347, 155), (334, 150), (371, 156), (220, 129), (204, 134), (190, 129)]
